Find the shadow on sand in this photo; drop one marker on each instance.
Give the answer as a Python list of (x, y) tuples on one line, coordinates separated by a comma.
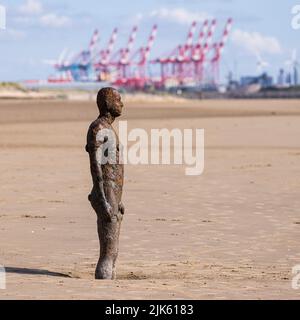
[(40, 272)]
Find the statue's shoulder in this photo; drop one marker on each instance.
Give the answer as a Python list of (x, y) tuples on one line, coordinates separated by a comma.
[(96, 134), (91, 135), (94, 127)]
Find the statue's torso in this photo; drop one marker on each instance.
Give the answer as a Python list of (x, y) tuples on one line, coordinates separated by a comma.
[(113, 173)]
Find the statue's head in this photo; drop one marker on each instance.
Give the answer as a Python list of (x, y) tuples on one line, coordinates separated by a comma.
[(109, 101)]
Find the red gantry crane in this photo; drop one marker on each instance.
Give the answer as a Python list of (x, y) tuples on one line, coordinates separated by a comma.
[(191, 63), (103, 65), (123, 63), (218, 50), (201, 49), (183, 61), (173, 66), (138, 73)]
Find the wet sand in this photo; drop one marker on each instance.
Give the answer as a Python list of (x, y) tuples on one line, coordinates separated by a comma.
[(233, 232)]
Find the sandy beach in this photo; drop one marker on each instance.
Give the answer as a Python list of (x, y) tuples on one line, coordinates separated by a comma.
[(231, 233)]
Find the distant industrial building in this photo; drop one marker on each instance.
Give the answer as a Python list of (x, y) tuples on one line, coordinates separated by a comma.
[(288, 79), (264, 81)]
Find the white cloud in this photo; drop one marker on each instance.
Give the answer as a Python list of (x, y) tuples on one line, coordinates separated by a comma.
[(55, 21), (31, 7), (180, 15), (32, 13), (255, 42)]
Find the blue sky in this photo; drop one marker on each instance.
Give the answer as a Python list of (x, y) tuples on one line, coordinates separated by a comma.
[(40, 29)]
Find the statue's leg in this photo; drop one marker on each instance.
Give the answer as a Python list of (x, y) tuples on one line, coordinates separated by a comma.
[(119, 221), (108, 232)]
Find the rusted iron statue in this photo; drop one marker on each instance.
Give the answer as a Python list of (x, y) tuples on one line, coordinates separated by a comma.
[(107, 174)]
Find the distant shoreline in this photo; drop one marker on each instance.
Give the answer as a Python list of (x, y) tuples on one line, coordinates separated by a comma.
[(87, 92)]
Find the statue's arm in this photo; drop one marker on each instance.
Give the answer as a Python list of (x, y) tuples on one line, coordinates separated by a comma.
[(96, 153), (121, 208), (97, 158)]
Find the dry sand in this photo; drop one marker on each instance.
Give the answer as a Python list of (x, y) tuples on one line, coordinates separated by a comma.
[(233, 232)]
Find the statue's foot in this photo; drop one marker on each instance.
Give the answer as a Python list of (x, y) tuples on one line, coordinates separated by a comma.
[(104, 270), (100, 275)]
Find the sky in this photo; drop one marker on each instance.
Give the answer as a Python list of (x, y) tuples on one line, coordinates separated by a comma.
[(39, 30)]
